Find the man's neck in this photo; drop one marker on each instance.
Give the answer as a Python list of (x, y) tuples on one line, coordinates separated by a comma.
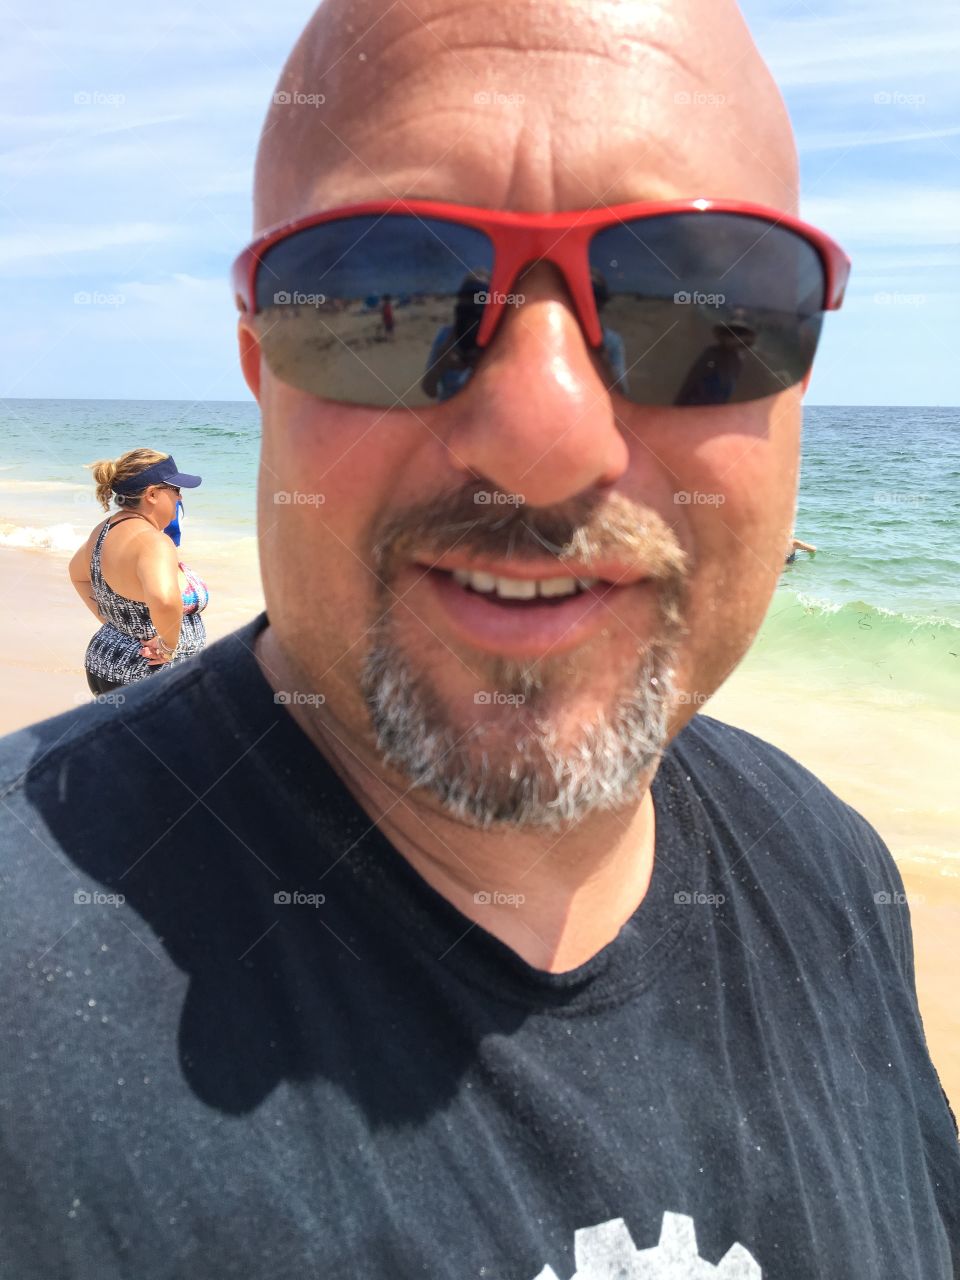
[(555, 898)]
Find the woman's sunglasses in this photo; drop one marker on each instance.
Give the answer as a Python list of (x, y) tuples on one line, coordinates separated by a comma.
[(392, 303)]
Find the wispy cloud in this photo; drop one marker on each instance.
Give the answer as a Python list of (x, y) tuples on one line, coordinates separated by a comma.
[(850, 139), (898, 213), (843, 42), (23, 249)]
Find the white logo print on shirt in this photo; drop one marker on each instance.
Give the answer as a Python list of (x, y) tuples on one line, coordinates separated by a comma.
[(607, 1252)]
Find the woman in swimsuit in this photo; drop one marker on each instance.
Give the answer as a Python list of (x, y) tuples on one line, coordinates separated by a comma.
[(147, 599)]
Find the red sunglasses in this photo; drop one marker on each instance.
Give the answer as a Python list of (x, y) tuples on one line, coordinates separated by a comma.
[(391, 303)]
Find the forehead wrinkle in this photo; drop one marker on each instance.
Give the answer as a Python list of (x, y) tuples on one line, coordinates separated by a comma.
[(460, 43)]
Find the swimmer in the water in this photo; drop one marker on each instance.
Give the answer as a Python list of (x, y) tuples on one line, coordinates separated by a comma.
[(794, 545)]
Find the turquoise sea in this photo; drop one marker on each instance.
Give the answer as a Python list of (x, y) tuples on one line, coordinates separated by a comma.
[(876, 613)]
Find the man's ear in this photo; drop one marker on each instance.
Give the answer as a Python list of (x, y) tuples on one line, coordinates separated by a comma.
[(249, 357), (806, 381)]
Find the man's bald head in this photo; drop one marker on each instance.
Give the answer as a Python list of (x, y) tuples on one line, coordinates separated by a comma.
[(558, 105)]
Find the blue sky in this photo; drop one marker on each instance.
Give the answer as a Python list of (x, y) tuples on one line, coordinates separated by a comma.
[(127, 140)]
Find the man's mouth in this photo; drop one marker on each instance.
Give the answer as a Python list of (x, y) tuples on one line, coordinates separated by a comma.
[(498, 588), (524, 609)]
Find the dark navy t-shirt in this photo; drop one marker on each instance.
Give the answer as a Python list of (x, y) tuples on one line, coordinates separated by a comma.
[(243, 1038)]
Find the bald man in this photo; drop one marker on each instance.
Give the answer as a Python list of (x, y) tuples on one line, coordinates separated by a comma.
[(426, 926)]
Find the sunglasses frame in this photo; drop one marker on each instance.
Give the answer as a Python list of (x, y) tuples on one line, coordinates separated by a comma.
[(521, 239)]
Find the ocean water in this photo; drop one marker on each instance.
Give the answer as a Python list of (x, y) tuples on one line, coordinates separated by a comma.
[(45, 443), (875, 614)]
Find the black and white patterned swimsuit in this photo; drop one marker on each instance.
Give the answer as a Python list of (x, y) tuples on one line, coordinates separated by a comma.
[(113, 653)]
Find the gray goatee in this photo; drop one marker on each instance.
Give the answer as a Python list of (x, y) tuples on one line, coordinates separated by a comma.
[(515, 769)]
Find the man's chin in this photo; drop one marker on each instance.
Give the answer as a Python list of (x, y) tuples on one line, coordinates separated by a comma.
[(528, 751)]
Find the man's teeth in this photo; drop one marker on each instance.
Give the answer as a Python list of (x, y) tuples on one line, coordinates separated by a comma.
[(522, 588)]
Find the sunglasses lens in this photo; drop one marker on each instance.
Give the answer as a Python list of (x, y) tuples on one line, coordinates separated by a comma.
[(705, 308), (381, 309)]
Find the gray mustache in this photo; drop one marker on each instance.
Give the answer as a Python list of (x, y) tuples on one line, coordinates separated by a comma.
[(586, 529)]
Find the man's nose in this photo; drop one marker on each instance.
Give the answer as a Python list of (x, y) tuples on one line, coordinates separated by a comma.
[(536, 419)]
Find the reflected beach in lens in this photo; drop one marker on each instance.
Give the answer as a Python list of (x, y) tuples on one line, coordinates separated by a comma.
[(708, 308), (322, 294)]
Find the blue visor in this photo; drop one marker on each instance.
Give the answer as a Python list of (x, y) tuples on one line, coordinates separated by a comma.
[(163, 472)]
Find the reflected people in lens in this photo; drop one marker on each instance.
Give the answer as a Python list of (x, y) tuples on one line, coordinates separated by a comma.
[(612, 353), (454, 352), (714, 375)]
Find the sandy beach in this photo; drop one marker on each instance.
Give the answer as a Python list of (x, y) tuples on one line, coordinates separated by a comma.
[(891, 762)]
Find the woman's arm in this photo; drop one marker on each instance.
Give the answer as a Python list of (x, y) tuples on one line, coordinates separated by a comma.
[(160, 587), (79, 570)]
